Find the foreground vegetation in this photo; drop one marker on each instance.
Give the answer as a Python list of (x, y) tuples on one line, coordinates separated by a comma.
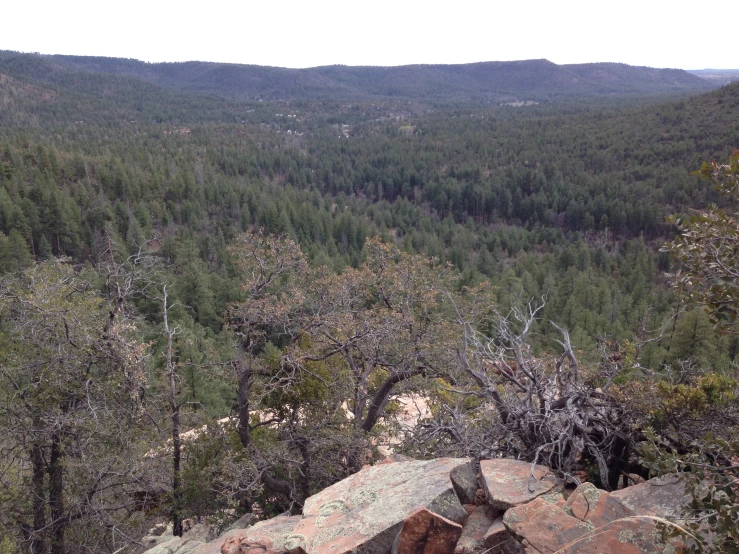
[(306, 270)]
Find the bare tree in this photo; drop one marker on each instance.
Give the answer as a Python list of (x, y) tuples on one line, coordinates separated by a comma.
[(531, 407)]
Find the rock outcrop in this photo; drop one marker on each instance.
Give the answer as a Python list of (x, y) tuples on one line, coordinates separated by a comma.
[(404, 506)]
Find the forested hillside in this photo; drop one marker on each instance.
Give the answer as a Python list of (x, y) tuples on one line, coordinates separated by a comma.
[(487, 82), (200, 256)]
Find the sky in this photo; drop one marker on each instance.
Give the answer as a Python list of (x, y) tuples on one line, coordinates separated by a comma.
[(309, 33)]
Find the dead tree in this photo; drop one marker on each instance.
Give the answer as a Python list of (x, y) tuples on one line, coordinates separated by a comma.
[(542, 410)]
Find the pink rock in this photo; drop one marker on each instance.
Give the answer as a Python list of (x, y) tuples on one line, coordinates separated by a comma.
[(596, 506), (498, 540), (265, 537), (544, 526), (425, 532), (473, 531), (509, 483), (365, 512), (625, 536), (661, 497)]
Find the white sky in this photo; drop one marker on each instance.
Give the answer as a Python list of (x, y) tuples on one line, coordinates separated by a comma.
[(289, 33)]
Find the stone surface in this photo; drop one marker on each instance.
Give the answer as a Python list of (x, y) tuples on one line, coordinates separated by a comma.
[(509, 483), (242, 523), (364, 512), (473, 531), (198, 532), (265, 537), (546, 528), (424, 532), (158, 534), (394, 458), (176, 545), (660, 497), (627, 536), (498, 540), (464, 481), (596, 506), (543, 526)]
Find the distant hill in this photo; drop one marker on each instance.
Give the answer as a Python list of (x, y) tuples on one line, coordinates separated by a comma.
[(538, 80), (717, 76)]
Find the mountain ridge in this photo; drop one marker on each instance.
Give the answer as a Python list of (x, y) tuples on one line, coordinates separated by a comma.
[(492, 81)]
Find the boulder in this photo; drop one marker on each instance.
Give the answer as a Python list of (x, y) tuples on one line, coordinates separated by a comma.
[(624, 536), (498, 540), (266, 537), (544, 526), (160, 533), (464, 481), (547, 528), (176, 545), (365, 512), (509, 483), (394, 459), (424, 532), (596, 506), (242, 523), (661, 497), (473, 531)]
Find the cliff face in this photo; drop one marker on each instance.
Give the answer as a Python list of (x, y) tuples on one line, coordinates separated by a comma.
[(444, 506)]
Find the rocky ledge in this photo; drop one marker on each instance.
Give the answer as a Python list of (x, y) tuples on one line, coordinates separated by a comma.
[(444, 506)]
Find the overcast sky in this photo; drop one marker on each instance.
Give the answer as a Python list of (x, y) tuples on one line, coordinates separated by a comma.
[(307, 33)]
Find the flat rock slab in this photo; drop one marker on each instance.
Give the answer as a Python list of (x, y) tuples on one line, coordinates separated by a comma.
[(509, 483), (627, 536), (473, 532), (364, 513), (596, 506), (498, 539), (464, 481), (425, 532), (176, 545), (265, 537), (548, 528), (544, 526), (660, 497)]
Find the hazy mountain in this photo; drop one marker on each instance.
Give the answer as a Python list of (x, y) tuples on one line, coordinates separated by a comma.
[(539, 80)]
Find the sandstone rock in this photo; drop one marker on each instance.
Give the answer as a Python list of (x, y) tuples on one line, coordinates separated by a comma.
[(159, 529), (265, 537), (509, 483), (176, 545), (424, 532), (596, 506), (198, 532), (394, 458), (547, 528), (464, 481), (214, 547), (626, 536), (498, 540), (544, 526), (160, 533), (660, 497), (473, 531), (242, 523), (365, 512)]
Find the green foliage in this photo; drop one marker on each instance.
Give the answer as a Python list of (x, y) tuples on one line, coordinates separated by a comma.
[(708, 250), (711, 472)]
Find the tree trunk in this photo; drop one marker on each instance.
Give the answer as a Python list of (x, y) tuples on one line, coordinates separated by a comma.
[(56, 496), (175, 409), (243, 389), (38, 545)]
